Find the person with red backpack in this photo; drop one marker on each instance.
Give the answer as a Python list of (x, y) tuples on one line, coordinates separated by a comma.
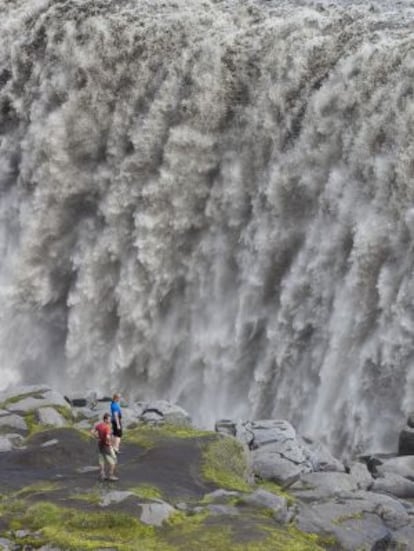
[(107, 457)]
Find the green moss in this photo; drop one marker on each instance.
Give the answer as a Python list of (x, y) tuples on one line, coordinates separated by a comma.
[(291, 538), (180, 519), (94, 498), (79, 416), (79, 530), (32, 424), (72, 530), (276, 489), (19, 398), (359, 515), (12, 506), (199, 532), (224, 463), (65, 412), (146, 491), (37, 488), (148, 436), (180, 431), (140, 437), (193, 532), (84, 434)]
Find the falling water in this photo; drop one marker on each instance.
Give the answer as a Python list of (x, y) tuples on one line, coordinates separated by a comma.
[(212, 201)]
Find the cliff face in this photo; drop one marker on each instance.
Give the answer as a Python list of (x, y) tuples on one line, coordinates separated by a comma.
[(212, 202)]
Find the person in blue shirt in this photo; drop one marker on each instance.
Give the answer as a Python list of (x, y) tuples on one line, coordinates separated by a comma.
[(116, 420)]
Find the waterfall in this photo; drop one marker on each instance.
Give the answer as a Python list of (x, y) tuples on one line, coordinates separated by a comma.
[(212, 202)]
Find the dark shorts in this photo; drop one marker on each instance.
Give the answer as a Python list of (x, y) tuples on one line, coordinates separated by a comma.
[(115, 430)]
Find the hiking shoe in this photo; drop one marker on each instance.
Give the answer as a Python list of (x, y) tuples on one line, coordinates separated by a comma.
[(112, 478)]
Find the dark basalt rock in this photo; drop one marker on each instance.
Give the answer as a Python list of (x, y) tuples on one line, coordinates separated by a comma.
[(406, 441)]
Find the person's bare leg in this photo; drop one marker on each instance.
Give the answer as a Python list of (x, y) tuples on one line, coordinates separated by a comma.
[(111, 475), (101, 470), (115, 443)]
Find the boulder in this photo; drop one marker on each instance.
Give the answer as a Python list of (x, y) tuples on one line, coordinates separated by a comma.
[(84, 425), (84, 413), (372, 461), (320, 456), (5, 444), (278, 464), (358, 520), (403, 466), (226, 426), (263, 498), (152, 417), (22, 391), (11, 441), (88, 399), (91, 409), (6, 545), (115, 496), (161, 411), (402, 540), (219, 509), (220, 494), (131, 416), (360, 473), (78, 402), (393, 512), (395, 485), (278, 453), (155, 513), (38, 400), (360, 530), (12, 422), (270, 431), (245, 434), (319, 485), (49, 416)]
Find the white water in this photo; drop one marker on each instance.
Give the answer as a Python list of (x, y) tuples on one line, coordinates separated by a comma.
[(212, 202)]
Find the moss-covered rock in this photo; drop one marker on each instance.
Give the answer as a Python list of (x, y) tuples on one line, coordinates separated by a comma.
[(68, 528), (51, 495), (225, 463)]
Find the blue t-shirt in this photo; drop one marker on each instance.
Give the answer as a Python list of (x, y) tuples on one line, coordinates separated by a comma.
[(115, 408)]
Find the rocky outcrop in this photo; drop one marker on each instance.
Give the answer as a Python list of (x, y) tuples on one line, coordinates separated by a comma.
[(50, 417), (278, 454), (52, 409), (360, 505), (161, 411), (13, 422), (406, 438), (157, 412), (394, 484)]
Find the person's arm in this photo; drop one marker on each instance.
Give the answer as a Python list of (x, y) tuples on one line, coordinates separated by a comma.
[(94, 432)]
